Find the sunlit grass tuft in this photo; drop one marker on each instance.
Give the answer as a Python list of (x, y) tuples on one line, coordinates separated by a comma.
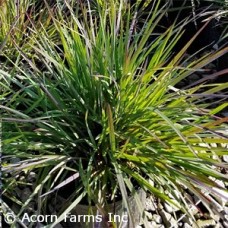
[(107, 109)]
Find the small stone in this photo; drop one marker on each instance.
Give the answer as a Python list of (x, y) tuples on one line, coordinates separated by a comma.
[(157, 218), (174, 223), (225, 158), (168, 208), (186, 225), (168, 219), (150, 205), (148, 215)]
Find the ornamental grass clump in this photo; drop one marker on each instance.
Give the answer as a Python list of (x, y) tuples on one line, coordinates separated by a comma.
[(17, 20), (106, 116)]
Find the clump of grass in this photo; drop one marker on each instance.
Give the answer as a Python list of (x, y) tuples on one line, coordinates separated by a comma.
[(108, 111)]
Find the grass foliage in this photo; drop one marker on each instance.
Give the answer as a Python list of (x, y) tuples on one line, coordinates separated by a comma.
[(100, 108)]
